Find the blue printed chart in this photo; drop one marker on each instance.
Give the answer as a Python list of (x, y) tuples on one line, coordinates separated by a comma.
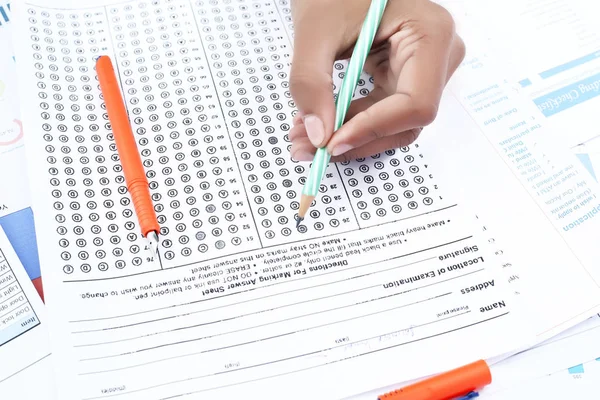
[(580, 381), (571, 105), (4, 14), (572, 108), (16, 313), (588, 154)]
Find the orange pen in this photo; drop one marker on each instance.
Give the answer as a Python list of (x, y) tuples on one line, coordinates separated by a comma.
[(449, 385), (133, 169)]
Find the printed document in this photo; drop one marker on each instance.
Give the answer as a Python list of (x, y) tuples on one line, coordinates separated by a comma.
[(552, 53), (394, 274), (14, 185), (24, 342), (557, 249)]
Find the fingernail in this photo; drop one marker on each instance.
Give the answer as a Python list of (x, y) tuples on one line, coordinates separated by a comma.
[(314, 129), (302, 155), (341, 149)]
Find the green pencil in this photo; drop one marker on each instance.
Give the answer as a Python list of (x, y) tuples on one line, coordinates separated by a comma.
[(353, 72)]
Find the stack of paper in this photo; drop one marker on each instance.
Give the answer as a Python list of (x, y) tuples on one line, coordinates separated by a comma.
[(412, 262)]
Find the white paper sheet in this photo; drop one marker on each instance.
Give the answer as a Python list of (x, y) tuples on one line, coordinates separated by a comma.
[(35, 383), (386, 268), (23, 328), (564, 384), (567, 362), (552, 53), (14, 185), (570, 348), (567, 366), (558, 248)]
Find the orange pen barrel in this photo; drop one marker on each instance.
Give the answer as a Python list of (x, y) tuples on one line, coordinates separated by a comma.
[(447, 386), (133, 169)]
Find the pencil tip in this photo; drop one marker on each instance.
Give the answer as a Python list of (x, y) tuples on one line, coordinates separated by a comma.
[(299, 221), (153, 248), (153, 239)]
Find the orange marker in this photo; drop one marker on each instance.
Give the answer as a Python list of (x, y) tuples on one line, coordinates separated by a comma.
[(449, 385), (133, 169)]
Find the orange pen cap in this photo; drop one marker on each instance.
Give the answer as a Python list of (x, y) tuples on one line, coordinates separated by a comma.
[(446, 386)]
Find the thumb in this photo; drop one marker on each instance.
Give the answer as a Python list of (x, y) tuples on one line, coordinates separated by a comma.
[(311, 82)]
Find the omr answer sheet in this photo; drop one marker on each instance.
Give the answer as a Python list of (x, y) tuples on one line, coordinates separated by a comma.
[(387, 279), (388, 267), (24, 344)]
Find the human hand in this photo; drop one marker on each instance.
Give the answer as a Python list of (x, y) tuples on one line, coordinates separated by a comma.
[(415, 52)]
